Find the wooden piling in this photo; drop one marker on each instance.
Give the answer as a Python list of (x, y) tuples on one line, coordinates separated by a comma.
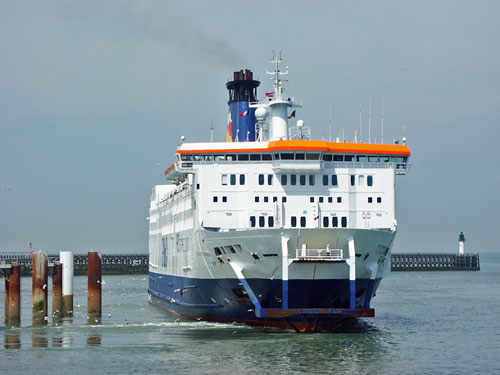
[(94, 286), (13, 296), (57, 300), (40, 288)]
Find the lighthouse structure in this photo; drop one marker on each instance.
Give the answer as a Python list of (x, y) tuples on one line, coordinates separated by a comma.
[(461, 244)]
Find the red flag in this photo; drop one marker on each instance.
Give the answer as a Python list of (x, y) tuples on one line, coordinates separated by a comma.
[(244, 113), (270, 94)]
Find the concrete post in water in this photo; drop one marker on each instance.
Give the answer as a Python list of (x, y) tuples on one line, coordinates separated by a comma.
[(94, 286), (57, 299), (66, 258), (40, 288), (13, 296)]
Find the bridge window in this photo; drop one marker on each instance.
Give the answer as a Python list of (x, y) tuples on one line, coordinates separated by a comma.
[(303, 221), (269, 179), (270, 221), (311, 179), (293, 179), (325, 221), (373, 159), (300, 156), (242, 179), (302, 179), (255, 157), (325, 180), (261, 179), (294, 221), (232, 179), (224, 179), (327, 157), (384, 159), (348, 157), (286, 156), (252, 221), (338, 158), (361, 158), (262, 221), (284, 179), (243, 157), (312, 157), (369, 180), (267, 157), (344, 222)]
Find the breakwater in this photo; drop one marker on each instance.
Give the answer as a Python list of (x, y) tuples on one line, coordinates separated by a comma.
[(116, 264), (435, 262)]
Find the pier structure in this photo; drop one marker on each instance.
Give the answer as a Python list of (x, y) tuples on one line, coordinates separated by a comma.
[(435, 262)]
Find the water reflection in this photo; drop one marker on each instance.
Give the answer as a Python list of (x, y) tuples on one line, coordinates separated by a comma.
[(12, 339), (94, 340), (39, 339)]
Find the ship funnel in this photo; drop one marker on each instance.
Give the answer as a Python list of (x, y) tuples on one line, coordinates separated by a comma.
[(241, 120)]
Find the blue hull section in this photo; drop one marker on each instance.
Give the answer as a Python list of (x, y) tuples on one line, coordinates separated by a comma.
[(225, 299)]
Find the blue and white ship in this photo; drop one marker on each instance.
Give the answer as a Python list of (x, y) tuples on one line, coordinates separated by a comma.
[(271, 228)]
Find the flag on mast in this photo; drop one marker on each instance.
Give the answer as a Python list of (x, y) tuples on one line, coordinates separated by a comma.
[(292, 115)]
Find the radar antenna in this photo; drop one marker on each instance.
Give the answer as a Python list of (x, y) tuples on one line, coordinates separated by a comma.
[(276, 76)]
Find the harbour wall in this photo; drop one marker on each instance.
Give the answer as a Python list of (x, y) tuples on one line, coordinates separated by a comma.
[(435, 262)]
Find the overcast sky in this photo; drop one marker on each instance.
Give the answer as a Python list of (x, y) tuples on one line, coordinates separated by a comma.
[(93, 95)]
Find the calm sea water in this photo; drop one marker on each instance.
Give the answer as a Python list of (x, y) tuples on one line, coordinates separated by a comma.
[(426, 323)]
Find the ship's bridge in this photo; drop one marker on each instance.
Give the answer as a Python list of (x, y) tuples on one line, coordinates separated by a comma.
[(291, 155)]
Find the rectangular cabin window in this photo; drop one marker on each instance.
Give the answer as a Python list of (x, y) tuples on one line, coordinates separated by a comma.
[(339, 199), (338, 158), (214, 199), (379, 199), (384, 159), (361, 158), (320, 199), (330, 199), (327, 157), (243, 157), (286, 156), (344, 222), (256, 199), (303, 179), (224, 179), (252, 221), (231, 157), (353, 180), (370, 200), (283, 179), (220, 157), (312, 156), (238, 248), (242, 179), (283, 199), (229, 249), (369, 180), (255, 157), (326, 222), (311, 199), (335, 221), (325, 180), (373, 159), (262, 221), (311, 179), (197, 186), (266, 199), (185, 157), (303, 221), (261, 179), (335, 181), (294, 221), (269, 179), (267, 157), (224, 199), (361, 180), (293, 179), (217, 251), (232, 179), (348, 157), (300, 156), (276, 156), (275, 199), (270, 221)]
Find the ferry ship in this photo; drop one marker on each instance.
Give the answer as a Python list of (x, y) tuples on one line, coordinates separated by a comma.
[(271, 228)]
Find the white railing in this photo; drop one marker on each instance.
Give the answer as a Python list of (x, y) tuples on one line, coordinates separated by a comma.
[(330, 254)]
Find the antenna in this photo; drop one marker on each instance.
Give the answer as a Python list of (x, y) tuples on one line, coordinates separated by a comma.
[(330, 118), (211, 130), (360, 118), (370, 121), (382, 135)]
